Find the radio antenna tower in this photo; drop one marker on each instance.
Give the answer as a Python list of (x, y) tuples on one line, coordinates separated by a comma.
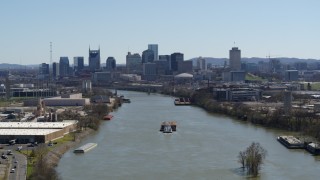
[(50, 53), (50, 71)]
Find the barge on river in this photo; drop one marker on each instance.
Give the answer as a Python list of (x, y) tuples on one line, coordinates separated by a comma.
[(85, 148), (313, 148), (291, 142), (182, 101)]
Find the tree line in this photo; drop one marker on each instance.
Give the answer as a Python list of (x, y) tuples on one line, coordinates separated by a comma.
[(298, 120)]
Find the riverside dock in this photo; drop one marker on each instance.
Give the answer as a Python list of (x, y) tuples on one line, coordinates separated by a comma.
[(85, 148)]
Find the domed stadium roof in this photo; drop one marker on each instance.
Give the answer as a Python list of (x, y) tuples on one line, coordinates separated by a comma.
[(184, 75)]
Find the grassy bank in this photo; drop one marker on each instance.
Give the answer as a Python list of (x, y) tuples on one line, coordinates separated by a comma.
[(51, 154)]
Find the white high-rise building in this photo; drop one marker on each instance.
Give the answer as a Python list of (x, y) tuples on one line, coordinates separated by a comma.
[(235, 59), (201, 63), (154, 48)]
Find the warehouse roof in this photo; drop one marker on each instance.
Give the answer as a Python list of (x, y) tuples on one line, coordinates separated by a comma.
[(25, 132), (35, 125)]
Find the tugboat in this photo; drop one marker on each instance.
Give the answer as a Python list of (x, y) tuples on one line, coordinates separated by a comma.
[(168, 126), (167, 129)]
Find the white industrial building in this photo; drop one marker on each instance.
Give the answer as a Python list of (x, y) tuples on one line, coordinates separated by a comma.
[(41, 132)]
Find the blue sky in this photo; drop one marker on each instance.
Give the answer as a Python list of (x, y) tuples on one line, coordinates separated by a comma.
[(208, 28)]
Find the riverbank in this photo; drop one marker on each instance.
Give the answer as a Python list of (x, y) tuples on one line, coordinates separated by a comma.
[(54, 155), (298, 121)]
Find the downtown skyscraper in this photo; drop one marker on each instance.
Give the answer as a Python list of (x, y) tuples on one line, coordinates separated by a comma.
[(64, 67), (78, 63), (235, 59), (94, 60), (154, 48)]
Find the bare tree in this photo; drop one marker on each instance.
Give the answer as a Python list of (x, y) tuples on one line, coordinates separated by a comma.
[(252, 158), (242, 158)]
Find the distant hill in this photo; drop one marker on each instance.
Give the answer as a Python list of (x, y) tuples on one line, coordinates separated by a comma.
[(17, 66), (11, 66), (284, 60), (213, 61)]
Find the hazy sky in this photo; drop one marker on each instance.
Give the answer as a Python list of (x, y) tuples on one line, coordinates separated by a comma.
[(208, 28)]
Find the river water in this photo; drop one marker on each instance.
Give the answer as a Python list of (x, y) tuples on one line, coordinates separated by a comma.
[(205, 146)]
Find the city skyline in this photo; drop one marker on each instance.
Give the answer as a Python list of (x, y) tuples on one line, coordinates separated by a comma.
[(195, 28)]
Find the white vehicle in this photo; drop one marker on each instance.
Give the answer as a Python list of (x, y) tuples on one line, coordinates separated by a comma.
[(12, 170)]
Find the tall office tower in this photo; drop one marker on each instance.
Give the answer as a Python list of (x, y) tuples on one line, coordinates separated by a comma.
[(162, 67), (154, 48), (148, 56), (94, 60), (174, 59), (64, 66), (149, 71), (235, 59), (55, 70), (78, 63), (201, 63), (165, 58), (44, 69), (133, 63), (111, 63)]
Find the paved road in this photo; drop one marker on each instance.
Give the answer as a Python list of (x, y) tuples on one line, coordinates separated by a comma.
[(18, 162), (21, 167)]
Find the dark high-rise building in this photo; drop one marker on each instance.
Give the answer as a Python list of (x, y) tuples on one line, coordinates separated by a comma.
[(44, 69), (55, 70), (174, 59), (165, 58), (154, 48), (64, 66), (149, 71), (133, 63), (78, 64), (148, 56), (162, 67), (111, 63), (94, 60)]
